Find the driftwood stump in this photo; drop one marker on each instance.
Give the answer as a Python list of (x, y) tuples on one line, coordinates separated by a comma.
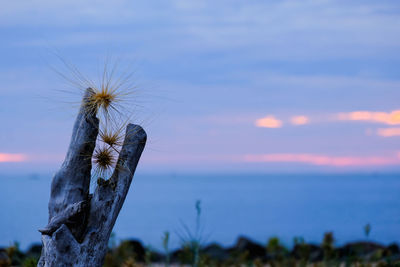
[(80, 223)]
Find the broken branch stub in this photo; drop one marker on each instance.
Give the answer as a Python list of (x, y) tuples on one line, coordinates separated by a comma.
[(80, 223)]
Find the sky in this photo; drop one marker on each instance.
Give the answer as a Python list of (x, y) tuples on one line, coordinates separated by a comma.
[(230, 86)]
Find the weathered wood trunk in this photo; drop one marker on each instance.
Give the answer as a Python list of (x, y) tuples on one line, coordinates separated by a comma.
[(80, 223)]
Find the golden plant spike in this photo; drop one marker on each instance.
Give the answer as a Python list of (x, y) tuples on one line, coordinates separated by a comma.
[(102, 99), (111, 132), (104, 160), (112, 139), (114, 90)]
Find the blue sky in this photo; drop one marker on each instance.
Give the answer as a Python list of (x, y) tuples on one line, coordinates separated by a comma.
[(270, 86)]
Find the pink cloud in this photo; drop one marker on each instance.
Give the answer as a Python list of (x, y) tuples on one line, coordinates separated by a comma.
[(268, 122), (390, 118), (388, 132), (7, 157), (299, 120), (324, 160)]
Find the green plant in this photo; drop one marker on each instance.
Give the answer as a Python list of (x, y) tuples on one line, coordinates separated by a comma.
[(328, 248), (15, 254), (165, 243), (112, 242), (275, 249), (192, 241), (367, 229), (30, 262), (303, 250), (147, 255)]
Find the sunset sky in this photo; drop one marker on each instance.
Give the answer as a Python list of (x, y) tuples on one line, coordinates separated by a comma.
[(241, 86)]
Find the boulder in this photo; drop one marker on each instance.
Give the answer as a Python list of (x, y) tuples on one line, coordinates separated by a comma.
[(215, 252), (245, 245), (4, 259)]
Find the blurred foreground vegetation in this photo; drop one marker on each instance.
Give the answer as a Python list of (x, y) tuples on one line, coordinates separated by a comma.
[(195, 252), (244, 252)]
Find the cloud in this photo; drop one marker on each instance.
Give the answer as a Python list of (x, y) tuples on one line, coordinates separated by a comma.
[(36, 158), (87, 12), (324, 160), (389, 118), (388, 132), (392, 118), (268, 122), (5, 157), (299, 120), (317, 29)]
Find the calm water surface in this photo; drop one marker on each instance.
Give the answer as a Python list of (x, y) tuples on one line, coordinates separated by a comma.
[(258, 206)]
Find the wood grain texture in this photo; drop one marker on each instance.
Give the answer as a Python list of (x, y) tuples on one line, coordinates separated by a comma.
[(80, 224)]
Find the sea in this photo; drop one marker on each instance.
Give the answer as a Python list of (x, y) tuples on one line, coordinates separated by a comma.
[(257, 206)]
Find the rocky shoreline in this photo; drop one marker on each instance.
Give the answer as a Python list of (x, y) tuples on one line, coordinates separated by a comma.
[(244, 252)]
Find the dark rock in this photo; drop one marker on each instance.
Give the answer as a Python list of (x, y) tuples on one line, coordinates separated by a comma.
[(215, 252), (392, 253), (359, 249), (392, 249), (183, 255), (175, 255), (134, 248), (138, 250), (316, 253), (4, 259), (251, 248), (156, 256), (307, 252)]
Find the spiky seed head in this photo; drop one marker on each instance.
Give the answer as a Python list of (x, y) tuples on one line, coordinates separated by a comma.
[(103, 98), (111, 138), (104, 159), (112, 134)]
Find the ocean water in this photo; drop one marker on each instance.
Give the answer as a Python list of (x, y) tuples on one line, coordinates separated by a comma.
[(256, 206)]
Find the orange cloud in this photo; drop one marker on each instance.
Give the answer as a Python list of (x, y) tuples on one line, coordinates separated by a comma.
[(4, 157), (388, 132), (268, 122), (392, 118), (324, 160), (299, 120)]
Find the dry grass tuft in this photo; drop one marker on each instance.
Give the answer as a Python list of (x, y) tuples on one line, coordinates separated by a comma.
[(104, 159), (102, 99), (114, 91), (112, 133), (113, 99)]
